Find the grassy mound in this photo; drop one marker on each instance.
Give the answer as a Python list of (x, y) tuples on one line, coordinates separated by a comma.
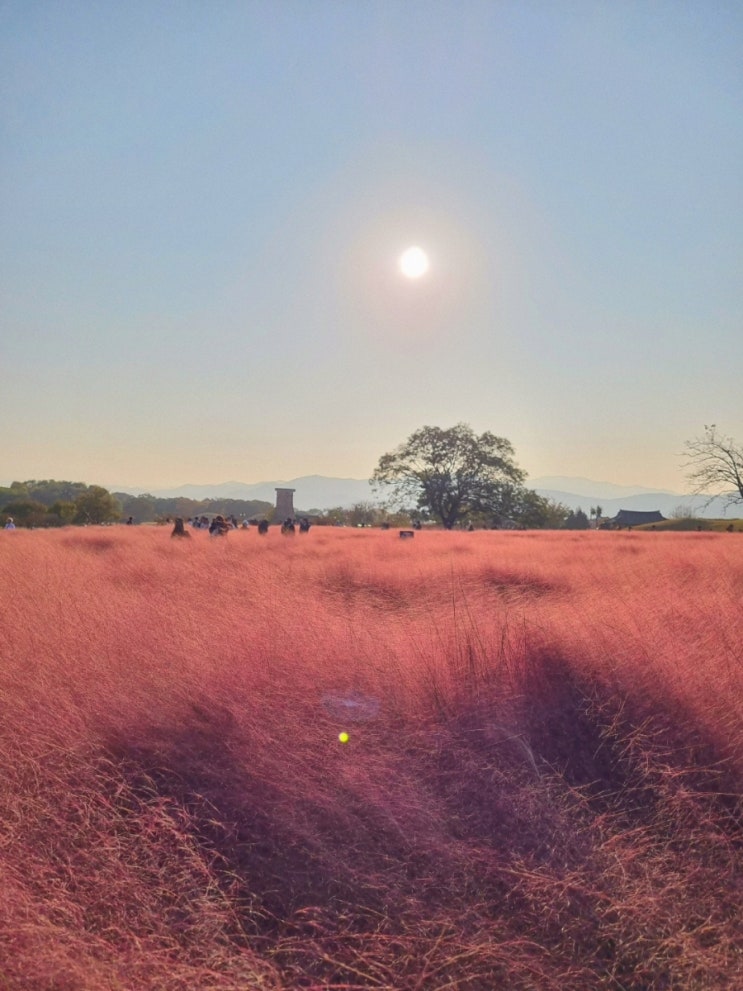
[(692, 523)]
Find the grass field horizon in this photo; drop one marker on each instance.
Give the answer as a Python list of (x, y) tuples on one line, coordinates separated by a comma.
[(540, 789)]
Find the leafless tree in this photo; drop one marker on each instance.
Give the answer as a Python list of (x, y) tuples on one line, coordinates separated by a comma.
[(715, 466)]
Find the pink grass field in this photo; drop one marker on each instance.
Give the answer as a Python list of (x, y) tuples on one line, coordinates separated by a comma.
[(540, 789)]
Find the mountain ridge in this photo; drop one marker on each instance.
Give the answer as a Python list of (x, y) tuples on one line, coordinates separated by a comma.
[(579, 485), (324, 492)]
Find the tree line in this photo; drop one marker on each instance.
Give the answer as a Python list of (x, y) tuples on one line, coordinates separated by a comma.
[(148, 508), (53, 503), (452, 477), (60, 503), (456, 477)]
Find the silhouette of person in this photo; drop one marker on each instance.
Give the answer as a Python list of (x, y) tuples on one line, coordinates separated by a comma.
[(179, 530)]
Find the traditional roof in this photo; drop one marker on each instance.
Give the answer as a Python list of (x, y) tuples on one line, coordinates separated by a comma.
[(632, 517)]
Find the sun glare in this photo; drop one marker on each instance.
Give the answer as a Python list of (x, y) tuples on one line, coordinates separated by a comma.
[(413, 262)]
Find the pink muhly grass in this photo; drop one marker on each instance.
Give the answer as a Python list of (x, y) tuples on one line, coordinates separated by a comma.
[(540, 787)]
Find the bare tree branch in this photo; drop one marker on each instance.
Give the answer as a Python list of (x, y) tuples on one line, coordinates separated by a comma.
[(715, 466)]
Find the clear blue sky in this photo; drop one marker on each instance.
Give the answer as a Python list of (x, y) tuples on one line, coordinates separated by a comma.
[(202, 205)]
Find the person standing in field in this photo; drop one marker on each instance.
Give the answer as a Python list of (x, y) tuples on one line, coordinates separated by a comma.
[(179, 530), (9, 524)]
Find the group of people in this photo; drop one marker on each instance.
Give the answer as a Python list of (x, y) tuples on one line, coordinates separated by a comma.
[(220, 525), (289, 527)]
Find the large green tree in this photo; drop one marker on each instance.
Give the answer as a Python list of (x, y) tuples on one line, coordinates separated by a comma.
[(96, 505), (451, 474), (529, 511)]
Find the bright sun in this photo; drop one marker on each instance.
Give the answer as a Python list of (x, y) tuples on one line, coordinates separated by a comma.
[(413, 262)]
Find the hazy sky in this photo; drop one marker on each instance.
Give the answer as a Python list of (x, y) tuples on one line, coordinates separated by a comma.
[(202, 207)]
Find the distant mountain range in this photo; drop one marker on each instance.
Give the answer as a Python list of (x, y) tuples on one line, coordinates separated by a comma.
[(668, 503), (322, 492), (311, 491), (589, 488)]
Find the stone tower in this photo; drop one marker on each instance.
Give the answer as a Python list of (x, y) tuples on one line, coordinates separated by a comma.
[(284, 504)]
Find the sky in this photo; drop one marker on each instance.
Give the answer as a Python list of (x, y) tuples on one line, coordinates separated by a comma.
[(203, 206)]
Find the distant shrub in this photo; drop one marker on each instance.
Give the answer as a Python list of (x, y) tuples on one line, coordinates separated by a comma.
[(26, 513), (682, 512)]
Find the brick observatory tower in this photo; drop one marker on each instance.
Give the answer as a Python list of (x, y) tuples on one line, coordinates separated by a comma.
[(284, 504)]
